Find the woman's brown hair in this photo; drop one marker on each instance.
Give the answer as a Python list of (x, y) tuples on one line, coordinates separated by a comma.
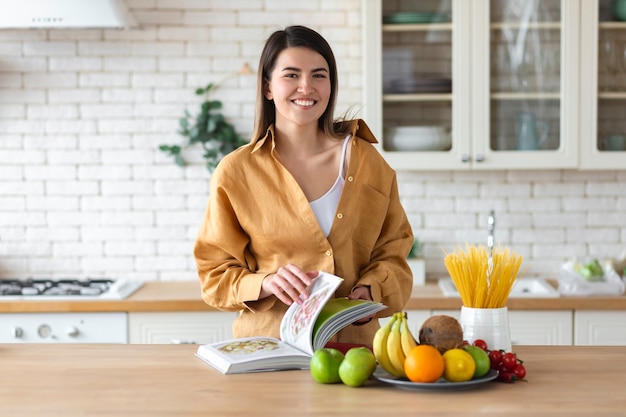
[(294, 36)]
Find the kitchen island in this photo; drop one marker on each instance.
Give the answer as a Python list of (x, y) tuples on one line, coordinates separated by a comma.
[(168, 380)]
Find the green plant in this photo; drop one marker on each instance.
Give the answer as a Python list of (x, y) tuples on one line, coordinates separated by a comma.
[(416, 249), (209, 128)]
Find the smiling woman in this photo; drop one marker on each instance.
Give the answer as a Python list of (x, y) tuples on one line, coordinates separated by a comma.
[(309, 193), (300, 94), (299, 86)]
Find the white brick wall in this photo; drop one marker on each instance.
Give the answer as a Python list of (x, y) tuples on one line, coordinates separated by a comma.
[(84, 190)]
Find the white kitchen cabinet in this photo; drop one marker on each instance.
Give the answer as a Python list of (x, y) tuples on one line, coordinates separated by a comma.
[(603, 87), (537, 327), (515, 69), (180, 327), (600, 328), (541, 327)]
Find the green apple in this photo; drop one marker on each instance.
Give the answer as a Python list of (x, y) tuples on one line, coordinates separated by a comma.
[(481, 359), (358, 365), (324, 365)]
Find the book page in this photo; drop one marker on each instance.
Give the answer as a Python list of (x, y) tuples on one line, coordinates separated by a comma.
[(296, 327), (251, 354), (339, 313)]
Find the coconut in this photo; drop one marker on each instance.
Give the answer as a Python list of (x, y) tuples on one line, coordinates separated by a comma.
[(441, 331)]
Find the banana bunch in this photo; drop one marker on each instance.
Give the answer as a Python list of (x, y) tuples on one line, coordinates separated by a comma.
[(392, 343)]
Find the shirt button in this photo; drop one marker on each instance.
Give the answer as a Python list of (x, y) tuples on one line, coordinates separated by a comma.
[(339, 215), (350, 178), (327, 253)]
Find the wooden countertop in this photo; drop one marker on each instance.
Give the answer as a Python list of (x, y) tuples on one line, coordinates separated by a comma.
[(168, 380), (430, 297), (185, 296), (152, 296)]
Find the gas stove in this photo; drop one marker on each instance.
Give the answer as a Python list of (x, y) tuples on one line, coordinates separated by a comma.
[(71, 327), (67, 289)]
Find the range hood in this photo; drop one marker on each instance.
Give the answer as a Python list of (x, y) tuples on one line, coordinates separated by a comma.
[(63, 14)]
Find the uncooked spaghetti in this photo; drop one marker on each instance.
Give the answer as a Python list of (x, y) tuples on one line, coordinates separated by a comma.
[(481, 283)]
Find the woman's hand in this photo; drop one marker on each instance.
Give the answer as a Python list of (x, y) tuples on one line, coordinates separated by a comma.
[(361, 293), (288, 284)]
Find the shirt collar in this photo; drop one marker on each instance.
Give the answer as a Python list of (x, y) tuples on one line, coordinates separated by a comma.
[(269, 135), (358, 128)]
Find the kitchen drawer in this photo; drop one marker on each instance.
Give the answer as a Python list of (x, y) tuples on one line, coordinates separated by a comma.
[(527, 327), (180, 327), (537, 327), (600, 328)]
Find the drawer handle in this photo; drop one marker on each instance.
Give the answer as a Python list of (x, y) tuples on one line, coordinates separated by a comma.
[(182, 342)]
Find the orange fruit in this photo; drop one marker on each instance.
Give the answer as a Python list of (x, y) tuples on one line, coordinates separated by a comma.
[(424, 363)]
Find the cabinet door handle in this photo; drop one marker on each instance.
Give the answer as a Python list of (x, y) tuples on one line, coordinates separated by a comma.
[(479, 157), (182, 342), (465, 158)]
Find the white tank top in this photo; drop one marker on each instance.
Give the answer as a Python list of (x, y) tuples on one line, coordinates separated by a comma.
[(326, 206)]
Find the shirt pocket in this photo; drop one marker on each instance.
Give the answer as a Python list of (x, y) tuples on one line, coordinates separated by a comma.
[(370, 216)]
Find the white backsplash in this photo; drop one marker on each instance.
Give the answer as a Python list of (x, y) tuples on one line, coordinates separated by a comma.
[(84, 190)]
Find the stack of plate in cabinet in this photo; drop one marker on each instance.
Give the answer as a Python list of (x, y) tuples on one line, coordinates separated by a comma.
[(415, 17), (418, 138), (421, 84)]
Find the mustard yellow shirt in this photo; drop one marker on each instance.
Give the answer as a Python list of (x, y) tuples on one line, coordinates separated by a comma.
[(258, 219)]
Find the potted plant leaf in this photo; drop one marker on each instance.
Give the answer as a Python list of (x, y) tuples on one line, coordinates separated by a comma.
[(416, 263), (209, 129)]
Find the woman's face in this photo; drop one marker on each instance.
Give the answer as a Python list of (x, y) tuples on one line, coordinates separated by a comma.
[(300, 86)]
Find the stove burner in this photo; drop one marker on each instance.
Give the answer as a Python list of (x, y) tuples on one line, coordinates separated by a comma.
[(54, 287), (66, 288)]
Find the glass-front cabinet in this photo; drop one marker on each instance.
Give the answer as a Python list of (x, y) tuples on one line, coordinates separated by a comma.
[(603, 84), (418, 81), (523, 117), (480, 84)]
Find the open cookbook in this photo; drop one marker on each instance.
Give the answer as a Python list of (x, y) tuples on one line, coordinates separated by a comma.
[(304, 328)]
